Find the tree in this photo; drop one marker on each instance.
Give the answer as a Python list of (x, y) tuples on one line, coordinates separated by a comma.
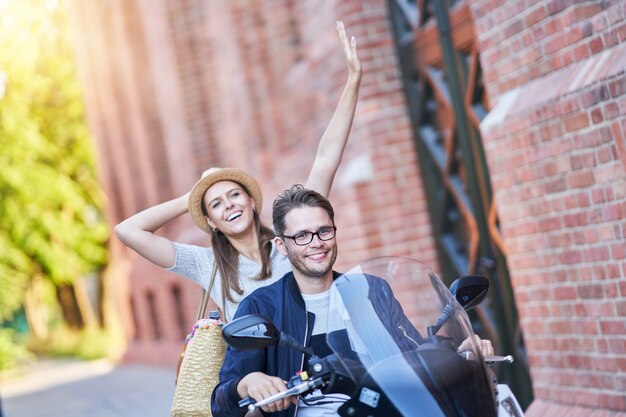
[(51, 224)]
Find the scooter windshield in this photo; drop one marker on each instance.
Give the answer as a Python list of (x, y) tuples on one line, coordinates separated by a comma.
[(379, 319)]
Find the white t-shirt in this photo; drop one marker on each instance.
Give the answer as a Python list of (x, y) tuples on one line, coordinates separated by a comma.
[(318, 305), (196, 263)]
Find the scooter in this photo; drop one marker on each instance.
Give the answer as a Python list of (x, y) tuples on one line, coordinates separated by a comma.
[(382, 363)]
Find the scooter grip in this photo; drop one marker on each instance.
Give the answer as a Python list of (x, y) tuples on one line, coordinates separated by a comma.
[(246, 402)]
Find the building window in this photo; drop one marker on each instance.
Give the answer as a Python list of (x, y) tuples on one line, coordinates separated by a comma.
[(137, 331), (154, 321), (179, 311)]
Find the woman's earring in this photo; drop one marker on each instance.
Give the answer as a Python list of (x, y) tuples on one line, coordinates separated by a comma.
[(215, 230)]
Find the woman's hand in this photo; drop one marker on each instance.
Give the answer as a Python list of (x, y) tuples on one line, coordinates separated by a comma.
[(349, 49)]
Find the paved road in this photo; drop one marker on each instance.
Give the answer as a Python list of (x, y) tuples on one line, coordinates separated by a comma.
[(70, 388)]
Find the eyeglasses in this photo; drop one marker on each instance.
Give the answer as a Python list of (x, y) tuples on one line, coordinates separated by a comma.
[(304, 238)]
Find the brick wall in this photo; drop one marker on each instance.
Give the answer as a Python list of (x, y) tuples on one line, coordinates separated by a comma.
[(173, 87), (135, 108), (554, 139)]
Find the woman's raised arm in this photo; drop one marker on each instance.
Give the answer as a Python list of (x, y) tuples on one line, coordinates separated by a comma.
[(137, 232), (333, 141)]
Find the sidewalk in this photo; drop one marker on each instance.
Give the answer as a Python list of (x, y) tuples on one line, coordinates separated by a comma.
[(71, 388)]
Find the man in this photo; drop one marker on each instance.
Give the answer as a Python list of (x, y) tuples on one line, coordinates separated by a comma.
[(297, 304)]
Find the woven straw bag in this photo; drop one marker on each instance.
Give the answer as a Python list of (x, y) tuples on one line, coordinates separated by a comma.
[(202, 359)]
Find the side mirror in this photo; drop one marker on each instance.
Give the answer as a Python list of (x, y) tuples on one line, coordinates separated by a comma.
[(251, 332), (470, 290)]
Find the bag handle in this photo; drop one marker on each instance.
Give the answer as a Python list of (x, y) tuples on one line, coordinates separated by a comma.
[(206, 295)]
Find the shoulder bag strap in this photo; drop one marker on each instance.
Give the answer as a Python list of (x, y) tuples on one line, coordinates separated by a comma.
[(224, 304), (206, 294)]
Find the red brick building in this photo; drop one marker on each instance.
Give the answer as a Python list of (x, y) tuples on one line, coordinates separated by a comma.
[(173, 87)]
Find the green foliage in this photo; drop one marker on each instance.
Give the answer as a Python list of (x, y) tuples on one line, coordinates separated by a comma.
[(50, 201), (11, 351), (89, 343), (15, 268)]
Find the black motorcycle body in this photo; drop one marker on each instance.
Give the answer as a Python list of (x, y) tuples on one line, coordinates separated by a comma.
[(402, 345)]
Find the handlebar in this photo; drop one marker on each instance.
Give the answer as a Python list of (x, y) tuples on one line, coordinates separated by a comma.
[(305, 386)]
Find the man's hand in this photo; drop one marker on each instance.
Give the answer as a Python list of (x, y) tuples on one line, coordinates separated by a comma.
[(484, 345), (260, 386)]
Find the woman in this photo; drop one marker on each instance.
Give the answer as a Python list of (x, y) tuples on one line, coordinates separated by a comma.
[(226, 204)]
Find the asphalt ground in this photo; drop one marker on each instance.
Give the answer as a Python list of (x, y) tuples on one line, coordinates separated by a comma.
[(70, 388)]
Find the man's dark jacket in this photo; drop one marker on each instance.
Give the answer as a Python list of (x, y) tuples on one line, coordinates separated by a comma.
[(283, 304)]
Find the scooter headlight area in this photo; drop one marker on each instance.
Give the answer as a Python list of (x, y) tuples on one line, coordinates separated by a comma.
[(395, 318)]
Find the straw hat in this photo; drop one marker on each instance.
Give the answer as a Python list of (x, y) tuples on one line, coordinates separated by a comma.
[(210, 177)]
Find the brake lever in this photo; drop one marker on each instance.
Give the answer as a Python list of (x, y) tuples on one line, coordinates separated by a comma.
[(495, 358), (468, 354)]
